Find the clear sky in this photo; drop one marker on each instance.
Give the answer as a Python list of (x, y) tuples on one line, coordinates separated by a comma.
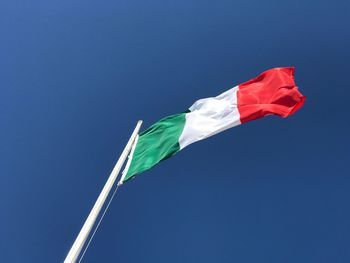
[(75, 76)]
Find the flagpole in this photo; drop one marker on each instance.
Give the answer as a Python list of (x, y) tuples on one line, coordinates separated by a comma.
[(86, 229), (127, 166)]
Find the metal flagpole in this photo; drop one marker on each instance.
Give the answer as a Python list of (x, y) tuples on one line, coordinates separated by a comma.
[(127, 166), (85, 231)]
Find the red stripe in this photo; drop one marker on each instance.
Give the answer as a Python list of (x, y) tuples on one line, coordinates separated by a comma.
[(272, 92)]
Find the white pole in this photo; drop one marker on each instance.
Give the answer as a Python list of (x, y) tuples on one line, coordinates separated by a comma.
[(84, 232), (127, 166)]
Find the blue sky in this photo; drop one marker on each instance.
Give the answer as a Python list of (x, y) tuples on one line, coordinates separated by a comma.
[(75, 76)]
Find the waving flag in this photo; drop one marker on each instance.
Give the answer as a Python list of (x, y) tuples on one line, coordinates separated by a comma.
[(272, 92)]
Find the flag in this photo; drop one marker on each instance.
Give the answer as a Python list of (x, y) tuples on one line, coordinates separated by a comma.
[(271, 93)]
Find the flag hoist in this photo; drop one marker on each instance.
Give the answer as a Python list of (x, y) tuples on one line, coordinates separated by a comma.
[(273, 92)]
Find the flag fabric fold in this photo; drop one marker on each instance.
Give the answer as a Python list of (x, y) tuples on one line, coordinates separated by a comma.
[(271, 93)]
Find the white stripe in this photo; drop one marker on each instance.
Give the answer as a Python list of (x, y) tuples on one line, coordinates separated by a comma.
[(210, 116)]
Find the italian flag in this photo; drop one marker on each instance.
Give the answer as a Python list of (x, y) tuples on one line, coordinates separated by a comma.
[(271, 93)]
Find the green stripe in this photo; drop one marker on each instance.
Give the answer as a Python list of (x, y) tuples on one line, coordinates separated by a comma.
[(157, 143)]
